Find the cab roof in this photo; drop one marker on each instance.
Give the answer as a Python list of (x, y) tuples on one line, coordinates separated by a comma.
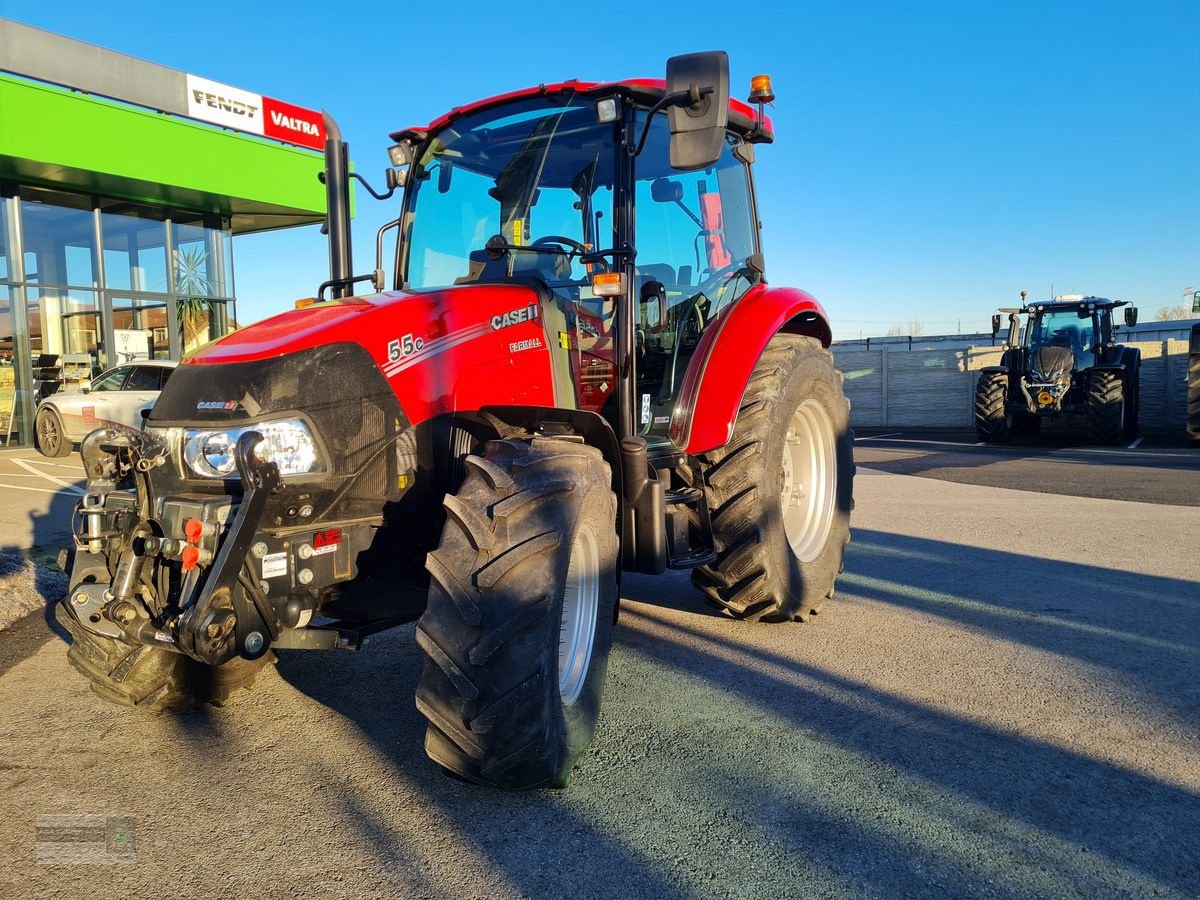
[(646, 90)]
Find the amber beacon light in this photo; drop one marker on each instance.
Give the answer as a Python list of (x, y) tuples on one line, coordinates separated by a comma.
[(760, 89)]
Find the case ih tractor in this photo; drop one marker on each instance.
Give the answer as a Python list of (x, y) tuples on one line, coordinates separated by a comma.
[(579, 370), (1063, 360)]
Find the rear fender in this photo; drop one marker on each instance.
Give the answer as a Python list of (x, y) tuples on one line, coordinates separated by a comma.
[(716, 378)]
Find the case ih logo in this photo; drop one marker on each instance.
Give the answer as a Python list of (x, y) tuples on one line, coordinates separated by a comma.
[(516, 317), (241, 110), (217, 404)]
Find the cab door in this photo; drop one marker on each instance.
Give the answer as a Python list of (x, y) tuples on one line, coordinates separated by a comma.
[(695, 234)]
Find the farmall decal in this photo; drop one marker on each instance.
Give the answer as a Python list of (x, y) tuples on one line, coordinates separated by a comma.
[(241, 110)]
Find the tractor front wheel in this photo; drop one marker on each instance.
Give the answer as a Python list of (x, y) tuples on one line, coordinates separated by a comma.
[(993, 422), (152, 678), (1105, 408), (780, 492), (518, 627)]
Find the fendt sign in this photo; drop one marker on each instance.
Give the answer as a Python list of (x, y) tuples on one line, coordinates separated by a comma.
[(234, 108), (33, 53)]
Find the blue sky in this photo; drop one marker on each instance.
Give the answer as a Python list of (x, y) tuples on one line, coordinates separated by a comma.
[(932, 159)]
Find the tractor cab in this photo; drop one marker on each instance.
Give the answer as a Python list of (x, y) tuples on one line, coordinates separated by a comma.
[(581, 192), (1082, 325)]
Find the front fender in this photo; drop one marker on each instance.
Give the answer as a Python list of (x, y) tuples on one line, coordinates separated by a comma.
[(716, 378)]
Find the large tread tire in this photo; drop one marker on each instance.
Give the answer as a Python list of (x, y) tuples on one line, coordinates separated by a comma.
[(490, 634), (151, 678), (1193, 395), (1133, 407), (1105, 408), (756, 576), (49, 434), (993, 423)]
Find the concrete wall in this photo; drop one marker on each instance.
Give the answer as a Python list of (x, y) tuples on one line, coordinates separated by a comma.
[(897, 388)]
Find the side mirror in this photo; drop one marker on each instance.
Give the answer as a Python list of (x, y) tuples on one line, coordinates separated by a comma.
[(995, 324), (85, 387), (698, 126), (445, 172), (1130, 316)]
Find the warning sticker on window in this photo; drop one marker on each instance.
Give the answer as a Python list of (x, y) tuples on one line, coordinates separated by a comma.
[(645, 409)]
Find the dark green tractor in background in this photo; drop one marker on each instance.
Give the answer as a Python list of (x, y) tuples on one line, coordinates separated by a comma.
[(1061, 360)]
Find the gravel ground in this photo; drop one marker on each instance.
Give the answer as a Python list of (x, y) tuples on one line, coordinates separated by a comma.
[(999, 703), (25, 586)]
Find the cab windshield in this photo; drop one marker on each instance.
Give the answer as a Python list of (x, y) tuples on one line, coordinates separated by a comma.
[(516, 191), (1069, 328)]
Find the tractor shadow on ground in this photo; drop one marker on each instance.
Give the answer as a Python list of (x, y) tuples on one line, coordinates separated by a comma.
[(1143, 629), (497, 823), (1007, 797)]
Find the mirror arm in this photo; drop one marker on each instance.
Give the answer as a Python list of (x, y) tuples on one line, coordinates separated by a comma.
[(690, 97), (371, 190)]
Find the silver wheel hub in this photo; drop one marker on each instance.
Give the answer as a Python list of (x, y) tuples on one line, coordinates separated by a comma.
[(581, 603), (809, 495)]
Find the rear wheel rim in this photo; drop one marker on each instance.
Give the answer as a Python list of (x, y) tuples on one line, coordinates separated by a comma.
[(809, 495), (47, 432), (577, 631)]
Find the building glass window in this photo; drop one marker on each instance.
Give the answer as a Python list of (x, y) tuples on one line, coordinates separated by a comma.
[(135, 249), (87, 283)]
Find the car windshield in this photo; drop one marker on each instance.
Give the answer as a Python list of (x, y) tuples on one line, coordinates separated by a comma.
[(516, 191), (1064, 328)]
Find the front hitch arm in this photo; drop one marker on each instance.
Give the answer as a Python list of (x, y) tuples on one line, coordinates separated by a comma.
[(229, 618)]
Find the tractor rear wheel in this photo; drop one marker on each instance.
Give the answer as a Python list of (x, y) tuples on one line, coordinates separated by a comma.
[(1133, 403), (152, 678), (780, 492), (1193, 395), (993, 422), (1105, 408), (517, 630)]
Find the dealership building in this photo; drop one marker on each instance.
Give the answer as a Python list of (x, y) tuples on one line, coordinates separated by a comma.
[(122, 184)]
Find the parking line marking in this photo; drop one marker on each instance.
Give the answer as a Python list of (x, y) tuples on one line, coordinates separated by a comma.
[(873, 437), (21, 487), (1133, 446), (52, 479)]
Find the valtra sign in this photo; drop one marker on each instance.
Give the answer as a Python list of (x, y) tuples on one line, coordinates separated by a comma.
[(211, 101)]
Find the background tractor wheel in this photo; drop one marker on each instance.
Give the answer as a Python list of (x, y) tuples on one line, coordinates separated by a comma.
[(1193, 396), (519, 623), (49, 435), (993, 423), (148, 677), (781, 491), (1133, 404), (1105, 408)]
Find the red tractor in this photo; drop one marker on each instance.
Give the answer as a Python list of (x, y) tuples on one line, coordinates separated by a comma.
[(579, 370)]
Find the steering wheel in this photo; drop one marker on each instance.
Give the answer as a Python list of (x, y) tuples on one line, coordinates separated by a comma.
[(559, 239)]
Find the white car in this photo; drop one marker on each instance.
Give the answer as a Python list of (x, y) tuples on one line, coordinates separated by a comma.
[(116, 397)]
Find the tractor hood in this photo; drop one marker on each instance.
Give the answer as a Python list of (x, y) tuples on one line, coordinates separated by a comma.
[(442, 351)]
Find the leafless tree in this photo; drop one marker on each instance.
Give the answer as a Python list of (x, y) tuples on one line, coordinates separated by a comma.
[(1171, 313)]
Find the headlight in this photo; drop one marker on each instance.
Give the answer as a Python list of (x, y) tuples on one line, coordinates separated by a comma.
[(287, 443)]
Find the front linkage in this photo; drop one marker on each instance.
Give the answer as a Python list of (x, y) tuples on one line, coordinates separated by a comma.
[(169, 572)]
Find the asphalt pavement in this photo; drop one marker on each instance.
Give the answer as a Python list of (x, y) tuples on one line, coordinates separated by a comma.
[(1152, 469), (998, 703)]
